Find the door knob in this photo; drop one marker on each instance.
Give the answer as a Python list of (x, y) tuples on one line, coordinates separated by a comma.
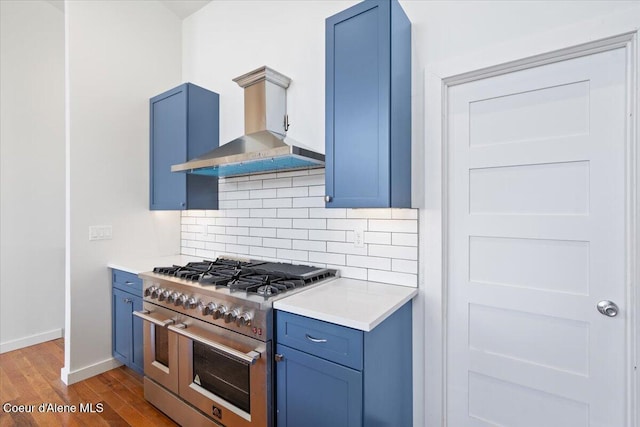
[(608, 308)]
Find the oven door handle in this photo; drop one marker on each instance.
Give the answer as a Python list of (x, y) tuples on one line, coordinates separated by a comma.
[(251, 357), (146, 315)]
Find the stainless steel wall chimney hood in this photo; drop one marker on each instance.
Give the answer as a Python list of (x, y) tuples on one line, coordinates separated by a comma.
[(264, 147)]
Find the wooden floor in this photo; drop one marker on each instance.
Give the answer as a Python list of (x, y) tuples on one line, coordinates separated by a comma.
[(31, 376)]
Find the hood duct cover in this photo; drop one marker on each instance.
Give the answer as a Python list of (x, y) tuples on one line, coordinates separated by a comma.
[(264, 147)]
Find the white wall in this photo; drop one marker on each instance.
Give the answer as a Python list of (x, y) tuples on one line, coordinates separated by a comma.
[(119, 55), (227, 38), (32, 173)]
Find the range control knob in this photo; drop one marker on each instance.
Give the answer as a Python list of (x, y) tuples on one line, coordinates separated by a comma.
[(244, 319), (208, 309), (190, 303), (173, 297), (156, 292), (180, 299), (231, 316), (164, 295), (149, 290), (219, 312)]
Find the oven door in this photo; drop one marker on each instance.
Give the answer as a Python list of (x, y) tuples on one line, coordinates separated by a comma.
[(160, 346), (225, 374)]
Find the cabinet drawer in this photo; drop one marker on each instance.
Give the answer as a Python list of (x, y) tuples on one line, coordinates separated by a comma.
[(128, 282), (326, 340)]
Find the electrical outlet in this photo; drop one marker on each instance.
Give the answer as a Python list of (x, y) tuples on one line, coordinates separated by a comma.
[(100, 232), (358, 238)]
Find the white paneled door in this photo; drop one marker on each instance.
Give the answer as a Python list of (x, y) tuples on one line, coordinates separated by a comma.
[(536, 240)]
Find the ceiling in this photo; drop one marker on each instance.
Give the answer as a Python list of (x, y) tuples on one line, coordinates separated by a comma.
[(181, 8), (184, 8)]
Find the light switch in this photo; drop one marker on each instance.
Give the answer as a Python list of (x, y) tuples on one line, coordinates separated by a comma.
[(100, 232)]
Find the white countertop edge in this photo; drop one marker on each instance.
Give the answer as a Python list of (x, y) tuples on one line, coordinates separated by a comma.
[(366, 326), (143, 264)]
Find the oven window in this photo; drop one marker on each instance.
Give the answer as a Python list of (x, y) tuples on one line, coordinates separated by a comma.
[(221, 375), (161, 345)]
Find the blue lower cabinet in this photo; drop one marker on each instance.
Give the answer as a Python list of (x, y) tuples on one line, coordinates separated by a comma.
[(126, 328), (329, 375), (314, 392)]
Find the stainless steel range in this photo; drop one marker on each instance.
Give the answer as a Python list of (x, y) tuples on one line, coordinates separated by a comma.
[(208, 329)]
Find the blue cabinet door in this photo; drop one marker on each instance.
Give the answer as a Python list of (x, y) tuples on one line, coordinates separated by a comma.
[(137, 340), (314, 392), (121, 325), (184, 124), (168, 124), (368, 106)]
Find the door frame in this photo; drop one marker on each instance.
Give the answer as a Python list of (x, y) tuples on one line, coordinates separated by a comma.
[(616, 31)]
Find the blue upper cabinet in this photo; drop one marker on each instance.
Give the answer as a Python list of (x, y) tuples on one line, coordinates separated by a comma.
[(368, 106), (184, 124)]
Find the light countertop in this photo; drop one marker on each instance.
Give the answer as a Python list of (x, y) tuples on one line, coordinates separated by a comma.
[(140, 265), (353, 303)]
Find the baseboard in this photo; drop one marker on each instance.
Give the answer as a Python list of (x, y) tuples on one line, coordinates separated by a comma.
[(30, 340), (70, 377)]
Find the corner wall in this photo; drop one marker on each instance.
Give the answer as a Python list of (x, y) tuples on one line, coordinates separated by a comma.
[(31, 173), (119, 54)]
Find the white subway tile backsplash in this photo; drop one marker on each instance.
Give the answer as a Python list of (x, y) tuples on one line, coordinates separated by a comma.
[(262, 232), (263, 213), (404, 266), (227, 186), (308, 202), (369, 262), (327, 258), (250, 185), (393, 278), (350, 272), (377, 237), (327, 213), (393, 225), (277, 243), (402, 252), (293, 192), (238, 249), (262, 176), (227, 221), (227, 204), (214, 246), (293, 255), (310, 245), (249, 203), (347, 224), (292, 233), (317, 190), (215, 229), (327, 235), (263, 194), (277, 222), (281, 216), (308, 180), (404, 239), (263, 252), (277, 203), (346, 248), (277, 183), (369, 213), (292, 173), (310, 223), (250, 222), (404, 213), (226, 238), (250, 241), (238, 231), (293, 213)]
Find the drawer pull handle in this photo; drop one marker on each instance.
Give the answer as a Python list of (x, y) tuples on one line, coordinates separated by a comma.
[(128, 283), (312, 339)]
